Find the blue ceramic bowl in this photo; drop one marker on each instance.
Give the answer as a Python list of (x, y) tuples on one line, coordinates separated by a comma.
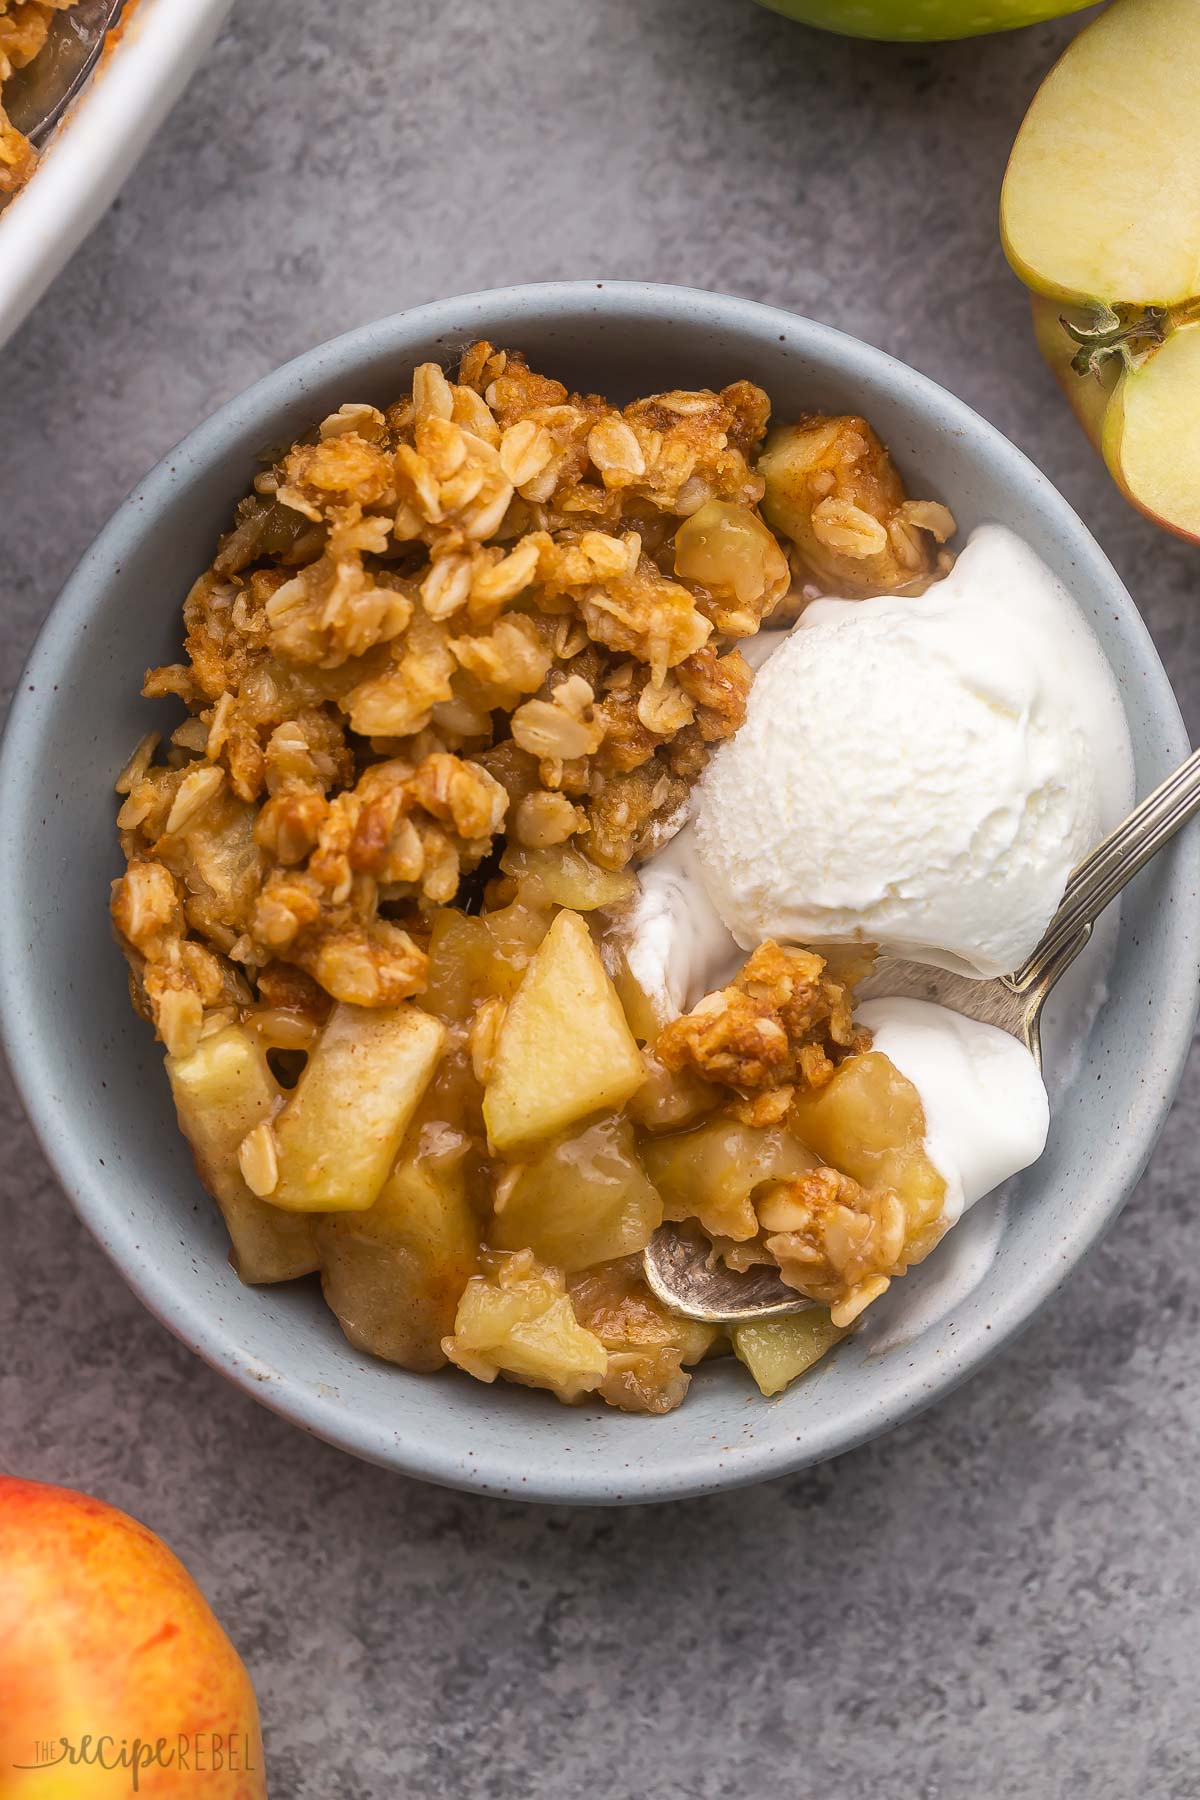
[(91, 1076)]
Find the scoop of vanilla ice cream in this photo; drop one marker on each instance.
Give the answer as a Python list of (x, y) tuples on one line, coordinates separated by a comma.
[(920, 773)]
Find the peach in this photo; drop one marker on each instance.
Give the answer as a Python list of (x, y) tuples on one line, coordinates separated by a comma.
[(115, 1676)]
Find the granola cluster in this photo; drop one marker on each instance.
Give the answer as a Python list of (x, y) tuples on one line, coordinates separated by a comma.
[(784, 1021), (459, 617), (834, 491), (834, 1240), (24, 25)]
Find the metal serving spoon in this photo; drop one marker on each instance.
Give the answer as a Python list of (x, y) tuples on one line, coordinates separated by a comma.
[(36, 97), (677, 1258)]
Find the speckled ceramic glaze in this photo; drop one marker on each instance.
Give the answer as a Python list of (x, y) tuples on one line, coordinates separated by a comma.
[(91, 1075)]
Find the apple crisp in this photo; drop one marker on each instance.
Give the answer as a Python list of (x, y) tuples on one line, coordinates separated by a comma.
[(24, 25), (450, 679)]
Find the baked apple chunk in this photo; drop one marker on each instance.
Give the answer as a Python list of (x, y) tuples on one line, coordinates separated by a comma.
[(338, 1135), (393, 1274), (583, 1199), (564, 1049), (223, 1092)]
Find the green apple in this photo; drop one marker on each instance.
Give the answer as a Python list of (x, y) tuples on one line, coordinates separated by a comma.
[(1100, 217), (921, 21)]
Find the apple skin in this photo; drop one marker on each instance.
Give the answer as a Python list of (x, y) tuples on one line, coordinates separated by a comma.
[(103, 1631), (921, 21)]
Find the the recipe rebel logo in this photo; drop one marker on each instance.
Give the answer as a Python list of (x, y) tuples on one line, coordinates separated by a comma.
[(189, 1753)]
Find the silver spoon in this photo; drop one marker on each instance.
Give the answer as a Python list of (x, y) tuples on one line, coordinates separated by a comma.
[(36, 96), (677, 1258)]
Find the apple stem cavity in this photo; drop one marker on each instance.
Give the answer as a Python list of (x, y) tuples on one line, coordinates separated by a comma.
[(1132, 333)]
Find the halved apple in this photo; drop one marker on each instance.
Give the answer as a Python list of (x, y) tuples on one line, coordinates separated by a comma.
[(1100, 216)]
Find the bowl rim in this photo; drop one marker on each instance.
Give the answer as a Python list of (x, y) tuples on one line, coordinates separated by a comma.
[(31, 717)]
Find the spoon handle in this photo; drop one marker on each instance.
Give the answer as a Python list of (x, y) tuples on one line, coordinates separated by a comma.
[(1113, 863)]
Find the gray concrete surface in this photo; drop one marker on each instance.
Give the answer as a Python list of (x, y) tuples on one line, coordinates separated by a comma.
[(1000, 1600)]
